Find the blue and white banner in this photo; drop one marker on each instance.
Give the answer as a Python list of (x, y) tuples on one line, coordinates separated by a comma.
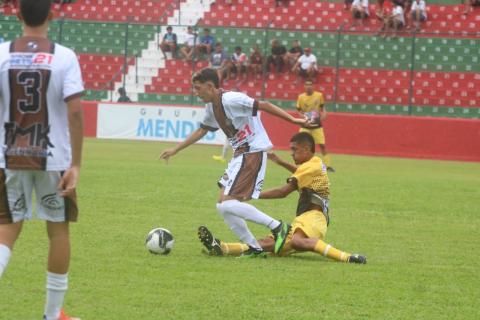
[(146, 122)]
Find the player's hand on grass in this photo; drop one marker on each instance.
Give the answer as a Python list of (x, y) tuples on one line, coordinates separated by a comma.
[(165, 155), (68, 182)]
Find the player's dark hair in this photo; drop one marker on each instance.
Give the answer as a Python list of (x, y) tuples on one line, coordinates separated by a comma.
[(304, 138), (35, 12), (205, 75)]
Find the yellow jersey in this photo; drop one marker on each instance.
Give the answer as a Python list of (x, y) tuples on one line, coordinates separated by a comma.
[(310, 177), (308, 103)]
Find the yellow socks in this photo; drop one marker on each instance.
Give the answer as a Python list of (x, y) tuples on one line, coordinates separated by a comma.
[(331, 252), (233, 249)]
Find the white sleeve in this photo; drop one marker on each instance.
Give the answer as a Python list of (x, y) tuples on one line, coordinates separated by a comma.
[(239, 104), (209, 123), (72, 83)]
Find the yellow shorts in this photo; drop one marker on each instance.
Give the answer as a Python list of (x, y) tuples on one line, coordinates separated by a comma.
[(317, 134), (312, 223)]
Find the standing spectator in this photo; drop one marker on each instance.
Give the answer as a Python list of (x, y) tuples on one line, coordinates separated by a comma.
[(220, 62), (294, 53), (169, 43), (278, 57), (123, 95), (239, 65), (359, 11), (188, 48), (256, 62), (42, 140), (469, 6), (306, 66), (419, 13), (311, 104), (206, 44)]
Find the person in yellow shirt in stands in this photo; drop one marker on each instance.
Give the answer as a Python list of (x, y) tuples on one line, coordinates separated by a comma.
[(312, 105), (309, 177)]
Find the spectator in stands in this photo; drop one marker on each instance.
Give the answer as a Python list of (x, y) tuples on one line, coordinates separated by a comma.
[(279, 2), (256, 62), (306, 66), (347, 4), (469, 6), (169, 43), (220, 62), (359, 11), (294, 53), (278, 56), (379, 10), (205, 44), (419, 13), (239, 65), (393, 22), (188, 47), (123, 95)]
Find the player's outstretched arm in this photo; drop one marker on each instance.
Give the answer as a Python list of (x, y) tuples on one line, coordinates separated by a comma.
[(274, 158), (191, 139), (277, 193), (69, 180), (279, 112)]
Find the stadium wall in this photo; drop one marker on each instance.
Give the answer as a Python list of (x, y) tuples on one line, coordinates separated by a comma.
[(377, 135)]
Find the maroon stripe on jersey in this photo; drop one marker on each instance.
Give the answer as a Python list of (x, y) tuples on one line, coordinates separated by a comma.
[(5, 213), (27, 133), (222, 120)]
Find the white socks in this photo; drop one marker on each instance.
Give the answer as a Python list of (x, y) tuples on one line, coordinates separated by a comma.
[(248, 212), (56, 288), (5, 254), (235, 213)]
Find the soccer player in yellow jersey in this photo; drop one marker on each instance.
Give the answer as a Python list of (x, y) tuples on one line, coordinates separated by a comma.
[(312, 105), (309, 177)]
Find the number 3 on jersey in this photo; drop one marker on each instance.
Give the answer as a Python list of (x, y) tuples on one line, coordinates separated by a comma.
[(30, 100)]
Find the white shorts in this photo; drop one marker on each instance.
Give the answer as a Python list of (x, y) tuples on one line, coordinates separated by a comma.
[(243, 179), (16, 189)]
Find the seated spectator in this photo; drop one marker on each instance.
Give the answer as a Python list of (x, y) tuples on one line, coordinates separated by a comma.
[(359, 11), (379, 10), (419, 13), (278, 56), (169, 43), (393, 22), (123, 95), (188, 48), (279, 2), (469, 6), (306, 66), (205, 44), (294, 53), (256, 62), (239, 65), (347, 4), (220, 62)]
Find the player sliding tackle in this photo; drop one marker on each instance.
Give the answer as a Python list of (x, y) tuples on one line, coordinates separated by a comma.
[(309, 177), (237, 115)]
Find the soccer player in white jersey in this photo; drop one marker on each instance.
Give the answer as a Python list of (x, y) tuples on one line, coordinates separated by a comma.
[(237, 115), (41, 128)]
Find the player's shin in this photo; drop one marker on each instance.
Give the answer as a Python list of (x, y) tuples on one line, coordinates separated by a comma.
[(233, 249), (56, 288), (328, 251), (250, 213)]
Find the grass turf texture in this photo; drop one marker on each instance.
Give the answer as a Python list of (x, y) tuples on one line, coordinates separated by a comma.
[(416, 220)]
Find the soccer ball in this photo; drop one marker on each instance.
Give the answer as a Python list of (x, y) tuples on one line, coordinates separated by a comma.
[(313, 117), (159, 241)]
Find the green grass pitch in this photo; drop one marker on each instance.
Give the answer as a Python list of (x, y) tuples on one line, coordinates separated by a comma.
[(417, 221)]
